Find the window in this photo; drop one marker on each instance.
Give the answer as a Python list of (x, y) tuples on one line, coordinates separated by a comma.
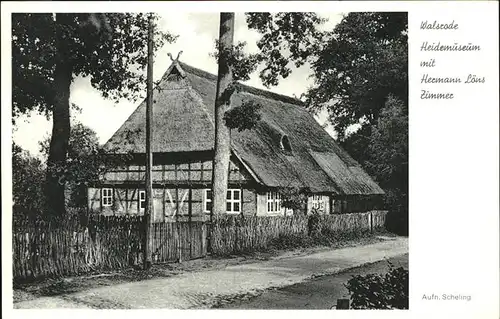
[(207, 206), (233, 201), (142, 199), (318, 202), (285, 144), (107, 197), (273, 202)]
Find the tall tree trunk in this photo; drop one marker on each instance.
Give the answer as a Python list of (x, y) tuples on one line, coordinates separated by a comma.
[(222, 146), (58, 149)]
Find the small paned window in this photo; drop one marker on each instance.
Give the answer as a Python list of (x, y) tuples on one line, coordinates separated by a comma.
[(233, 201), (107, 197), (273, 202), (318, 202)]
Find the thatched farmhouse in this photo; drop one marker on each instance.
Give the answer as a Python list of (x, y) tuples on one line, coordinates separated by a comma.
[(287, 149)]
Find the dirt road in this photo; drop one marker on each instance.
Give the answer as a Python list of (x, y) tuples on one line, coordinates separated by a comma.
[(204, 289), (319, 293)]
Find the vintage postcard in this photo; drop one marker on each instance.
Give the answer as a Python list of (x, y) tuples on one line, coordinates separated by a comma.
[(208, 156)]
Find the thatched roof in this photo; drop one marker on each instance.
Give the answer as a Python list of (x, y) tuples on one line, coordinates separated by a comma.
[(183, 121)]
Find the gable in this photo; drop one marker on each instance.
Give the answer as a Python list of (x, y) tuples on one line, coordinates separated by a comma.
[(181, 122)]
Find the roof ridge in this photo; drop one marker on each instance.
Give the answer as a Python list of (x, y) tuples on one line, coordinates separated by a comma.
[(246, 88)]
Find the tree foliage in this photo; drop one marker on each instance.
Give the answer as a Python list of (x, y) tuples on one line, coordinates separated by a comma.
[(244, 116), (360, 72), (85, 164), (297, 30), (294, 198), (110, 49), (387, 160), (370, 87), (288, 39), (358, 65), (355, 66), (389, 143), (49, 50), (242, 63), (28, 176), (247, 115)]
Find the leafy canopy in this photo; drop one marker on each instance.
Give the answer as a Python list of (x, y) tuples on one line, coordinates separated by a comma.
[(243, 117), (360, 77), (387, 160), (109, 48), (288, 38), (358, 65), (355, 66), (298, 30), (247, 115)]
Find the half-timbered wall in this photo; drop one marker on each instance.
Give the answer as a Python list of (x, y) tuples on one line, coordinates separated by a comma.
[(196, 171), (169, 203), (178, 187)]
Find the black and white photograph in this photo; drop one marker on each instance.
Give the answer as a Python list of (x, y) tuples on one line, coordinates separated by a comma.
[(211, 160), (250, 157)]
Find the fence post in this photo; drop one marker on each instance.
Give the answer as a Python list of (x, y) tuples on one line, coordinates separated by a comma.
[(205, 238), (190, 212), (235, 235), (179, 243), (208, 226)]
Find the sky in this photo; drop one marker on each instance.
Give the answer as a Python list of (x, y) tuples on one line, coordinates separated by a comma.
[(197, 34)]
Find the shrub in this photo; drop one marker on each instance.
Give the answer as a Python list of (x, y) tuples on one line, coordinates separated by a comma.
[(373, 291), (397, 222), (293, 198), (28, 176), (326, 229), (314, 224)]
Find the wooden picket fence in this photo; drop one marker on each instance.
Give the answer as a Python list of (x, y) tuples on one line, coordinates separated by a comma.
[(42, 250), (240, 234), (234, 234), (100, 243), (178, 241), (351, 224)]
